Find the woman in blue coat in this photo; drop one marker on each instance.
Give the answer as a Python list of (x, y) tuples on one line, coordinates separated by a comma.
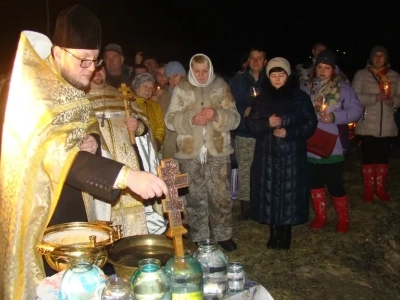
[(282, 119)]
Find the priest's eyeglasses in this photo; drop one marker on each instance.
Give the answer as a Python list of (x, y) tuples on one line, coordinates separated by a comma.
[(86, 63)]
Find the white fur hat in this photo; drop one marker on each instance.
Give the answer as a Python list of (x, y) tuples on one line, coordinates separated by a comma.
[(278, 62)]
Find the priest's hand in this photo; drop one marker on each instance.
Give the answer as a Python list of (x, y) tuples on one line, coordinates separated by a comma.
[(147, 185), (131, 123), (88, 144)]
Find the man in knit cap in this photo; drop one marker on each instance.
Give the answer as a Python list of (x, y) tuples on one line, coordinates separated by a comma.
[(51, 159), (116, 71)]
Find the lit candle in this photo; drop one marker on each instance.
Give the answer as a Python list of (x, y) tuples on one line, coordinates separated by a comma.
[(386, 88), (254, 91)]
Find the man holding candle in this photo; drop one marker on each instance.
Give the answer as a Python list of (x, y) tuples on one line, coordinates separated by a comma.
[(245, 87), (378, 88)]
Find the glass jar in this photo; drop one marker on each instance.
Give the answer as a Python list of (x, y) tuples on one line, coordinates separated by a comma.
[(214, 264), (149, 282), (82, 281), (117, 288), (186, 277), (237, 277)]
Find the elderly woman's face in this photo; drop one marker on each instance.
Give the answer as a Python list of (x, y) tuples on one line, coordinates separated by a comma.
[(323, 71), (145, 90), (201, 72), (278, 79)]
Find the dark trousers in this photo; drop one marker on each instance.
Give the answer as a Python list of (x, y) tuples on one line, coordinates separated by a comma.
[(375, 150), (329, 175)]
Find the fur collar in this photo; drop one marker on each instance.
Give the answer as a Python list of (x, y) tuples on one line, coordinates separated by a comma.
[(291, 86)]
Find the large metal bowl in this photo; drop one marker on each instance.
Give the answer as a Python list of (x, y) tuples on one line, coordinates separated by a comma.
[(125, 254), (65, 242)]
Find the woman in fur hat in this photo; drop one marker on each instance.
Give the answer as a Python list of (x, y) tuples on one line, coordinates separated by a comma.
[(282, 118)]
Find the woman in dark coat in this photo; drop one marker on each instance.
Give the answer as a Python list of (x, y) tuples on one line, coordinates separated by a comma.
[(282, 119)]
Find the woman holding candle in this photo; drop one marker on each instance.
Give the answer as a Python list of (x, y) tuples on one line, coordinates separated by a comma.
[(281, 119), (378, 88), (335, 104)]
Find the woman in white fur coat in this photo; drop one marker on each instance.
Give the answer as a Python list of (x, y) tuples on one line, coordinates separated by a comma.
[(202, 113)]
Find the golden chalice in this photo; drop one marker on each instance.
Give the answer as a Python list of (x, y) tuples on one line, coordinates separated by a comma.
[(63, 242)]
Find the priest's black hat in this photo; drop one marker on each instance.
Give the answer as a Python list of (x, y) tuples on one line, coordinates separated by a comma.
[(77, 28)]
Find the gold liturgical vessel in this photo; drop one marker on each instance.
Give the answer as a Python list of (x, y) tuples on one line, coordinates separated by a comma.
[(67, 241)]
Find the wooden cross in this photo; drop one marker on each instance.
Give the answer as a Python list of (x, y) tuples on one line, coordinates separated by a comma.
[(127, 95), (172, 204)]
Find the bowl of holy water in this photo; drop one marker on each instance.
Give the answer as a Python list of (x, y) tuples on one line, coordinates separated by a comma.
[(125, 254)]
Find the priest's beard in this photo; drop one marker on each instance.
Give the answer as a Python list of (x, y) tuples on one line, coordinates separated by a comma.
[(74, 82), (98, 81)]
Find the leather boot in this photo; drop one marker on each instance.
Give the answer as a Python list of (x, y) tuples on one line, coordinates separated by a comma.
[(341, 207), (381, 172), (368, 172), (244, 210), (319, 203), (273, 237), (228, 245), (285, 237)]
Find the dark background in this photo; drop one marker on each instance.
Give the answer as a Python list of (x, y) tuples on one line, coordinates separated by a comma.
[(175, 30)]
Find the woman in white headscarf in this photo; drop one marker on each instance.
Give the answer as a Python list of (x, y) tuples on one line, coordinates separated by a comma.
[(203, 112)]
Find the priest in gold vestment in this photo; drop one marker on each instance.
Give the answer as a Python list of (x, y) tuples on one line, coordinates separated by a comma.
[(48, 120), (128, 210)]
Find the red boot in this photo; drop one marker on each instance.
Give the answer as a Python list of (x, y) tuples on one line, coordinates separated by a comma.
[(380, 181), (368, 172), (319, 204), (341, 207)]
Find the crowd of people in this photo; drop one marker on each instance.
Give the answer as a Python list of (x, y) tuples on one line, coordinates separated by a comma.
[(83, 155)]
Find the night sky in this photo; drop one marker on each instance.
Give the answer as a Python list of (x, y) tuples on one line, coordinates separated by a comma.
[(175, 30)]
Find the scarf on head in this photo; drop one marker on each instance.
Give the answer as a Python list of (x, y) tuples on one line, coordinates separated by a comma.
[(325, 91), (380, 75), (140, 79), (192, 79), (211, 76)]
